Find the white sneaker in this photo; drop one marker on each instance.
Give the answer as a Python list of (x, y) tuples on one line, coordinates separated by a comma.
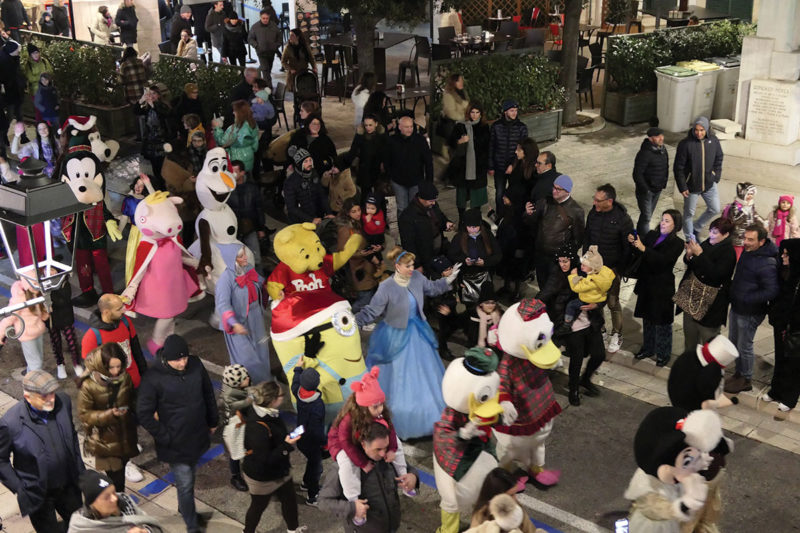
[(368, 327), (61, 372), (783, 407), (614, 342), (132, 473), (78, 370), (767, 398), (605, 337)]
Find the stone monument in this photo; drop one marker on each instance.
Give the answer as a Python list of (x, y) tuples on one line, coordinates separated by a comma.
[(768, 101)]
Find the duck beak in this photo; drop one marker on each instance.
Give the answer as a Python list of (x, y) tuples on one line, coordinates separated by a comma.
[(545, 357), (486, 413)]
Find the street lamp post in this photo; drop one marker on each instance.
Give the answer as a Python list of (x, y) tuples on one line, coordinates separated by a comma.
[(33, 200)]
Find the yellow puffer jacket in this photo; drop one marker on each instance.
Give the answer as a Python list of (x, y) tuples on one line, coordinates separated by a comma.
[(112, 439), (593, 288)]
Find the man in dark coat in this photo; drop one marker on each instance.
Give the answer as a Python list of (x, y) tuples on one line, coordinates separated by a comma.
[(477, 249), (14, 17), (421, 225), (408, 162), (377, 510), (608, 225), (755, 283), (265, 37), (177, 407), (248, 206), (39, 432), (215, 25), (698, 169), (554, 220), (546, 174), (306, 200), (180, 21), (12, 81), (650, 175), (504, 136)]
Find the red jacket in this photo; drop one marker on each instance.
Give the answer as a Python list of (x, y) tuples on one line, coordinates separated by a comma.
[(376, 226), (123, 334)]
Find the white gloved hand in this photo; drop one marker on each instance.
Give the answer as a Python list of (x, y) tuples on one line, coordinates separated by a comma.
[(695, 492), (469, 430), (454, 274), (167, 148), (509, 413)]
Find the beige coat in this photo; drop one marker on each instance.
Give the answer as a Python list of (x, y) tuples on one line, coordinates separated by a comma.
[(340, 188), (187, 49), (361, 272), (101, 29), (453, 106)]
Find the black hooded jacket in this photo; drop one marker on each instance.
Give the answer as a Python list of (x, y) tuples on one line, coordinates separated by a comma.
[(609, 231), (651, 167)]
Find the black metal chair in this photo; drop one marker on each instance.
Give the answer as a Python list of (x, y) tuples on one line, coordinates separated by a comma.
[(421, 48), (349, 59), (535, 37), (330, 65), (554, 56), (447, 34), (508, 27), (598, 58), (278, 98), (440, 52), (585, 86)]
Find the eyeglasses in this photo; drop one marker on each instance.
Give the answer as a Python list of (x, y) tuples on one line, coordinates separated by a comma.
[(598, 200), (559, 189), (540, 163)]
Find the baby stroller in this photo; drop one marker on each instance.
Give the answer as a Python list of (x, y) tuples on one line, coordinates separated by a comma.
[(306, 88)]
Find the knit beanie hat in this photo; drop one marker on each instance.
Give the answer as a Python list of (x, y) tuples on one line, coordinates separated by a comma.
[(507, 513), (371, 199), (564, 181), (92, 483), (186, 10), (309, 379), (786, 198), (298, 155), (11, 47), (234, 375), (441, 263), (175, 347), (472, 217), (703, 121), (509, 104), (32, 48), (427, 191), (593, 259), (368, 390)]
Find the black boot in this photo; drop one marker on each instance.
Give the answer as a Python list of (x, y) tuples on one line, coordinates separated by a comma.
[(239, 483), (574, 397), (86, 299), (591, 388)]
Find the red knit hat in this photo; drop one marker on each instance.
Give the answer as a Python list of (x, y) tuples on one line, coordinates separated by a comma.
[(368, 390)]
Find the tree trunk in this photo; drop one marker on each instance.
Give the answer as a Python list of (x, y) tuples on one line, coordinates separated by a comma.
[(365, 41), (569, 59)]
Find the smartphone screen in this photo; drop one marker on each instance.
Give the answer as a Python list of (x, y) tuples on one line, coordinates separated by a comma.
[(621, 526), (299, 430)]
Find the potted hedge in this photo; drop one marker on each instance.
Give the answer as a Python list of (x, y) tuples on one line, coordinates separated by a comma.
[(528, 78), (215, 81), (632, 59)]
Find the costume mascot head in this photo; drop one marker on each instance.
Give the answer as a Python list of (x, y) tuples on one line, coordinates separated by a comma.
[(673, 449), (308, 318), (524, 334), (462, 445)]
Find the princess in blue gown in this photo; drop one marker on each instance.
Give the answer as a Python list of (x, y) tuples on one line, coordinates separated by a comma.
[(405, 348)]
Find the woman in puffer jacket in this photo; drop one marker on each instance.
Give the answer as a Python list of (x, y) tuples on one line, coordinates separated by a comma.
[(104, 401)]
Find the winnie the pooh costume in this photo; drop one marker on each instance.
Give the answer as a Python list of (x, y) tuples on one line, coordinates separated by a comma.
[(309, 320)]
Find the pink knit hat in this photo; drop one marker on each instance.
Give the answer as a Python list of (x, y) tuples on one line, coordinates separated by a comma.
[(368, 390), (786, 198)]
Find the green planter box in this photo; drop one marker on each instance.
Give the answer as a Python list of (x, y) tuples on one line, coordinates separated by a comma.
[(112, 122), (626, 109), (543, 126)]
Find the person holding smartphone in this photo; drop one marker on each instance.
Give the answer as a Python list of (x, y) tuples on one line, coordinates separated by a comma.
[(104, 400)]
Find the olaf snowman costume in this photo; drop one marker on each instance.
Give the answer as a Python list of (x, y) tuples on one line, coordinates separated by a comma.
[(524, 335), (216, 225), (161, 285), (673, 447), (462, 446)]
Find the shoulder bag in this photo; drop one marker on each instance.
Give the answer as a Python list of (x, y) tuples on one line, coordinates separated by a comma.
[(695, 297)]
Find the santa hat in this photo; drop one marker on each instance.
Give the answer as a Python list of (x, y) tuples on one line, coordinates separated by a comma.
[(368, 391), (80, 123), (299, 313), (719, 350), (507, 513)]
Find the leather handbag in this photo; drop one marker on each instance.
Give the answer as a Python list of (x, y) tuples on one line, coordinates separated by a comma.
[(695, 297)]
